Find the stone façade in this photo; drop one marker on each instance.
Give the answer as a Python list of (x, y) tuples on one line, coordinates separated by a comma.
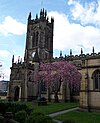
[(39, 48)]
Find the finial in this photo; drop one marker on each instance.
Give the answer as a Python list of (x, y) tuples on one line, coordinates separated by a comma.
[(81, 51), (65, 56), (70, 52), (36, 16), (40, 13), (52, 19), (60, 53), (29, 17), (45, 13), (13, 59), (93, 50), (18, 59)]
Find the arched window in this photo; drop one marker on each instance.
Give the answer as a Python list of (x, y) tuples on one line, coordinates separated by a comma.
[(96, 80), (37, 38), (33, 40)]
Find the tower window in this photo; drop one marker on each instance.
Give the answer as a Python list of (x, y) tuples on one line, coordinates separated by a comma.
[(33, 40), (96, 80), (37, 38)]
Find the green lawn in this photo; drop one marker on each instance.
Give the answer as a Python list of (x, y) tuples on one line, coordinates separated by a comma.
[(52, 107), (55, 107), (80, 117)]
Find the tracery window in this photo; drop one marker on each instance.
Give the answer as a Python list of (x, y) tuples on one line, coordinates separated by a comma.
[(33, 40), (37, 38), (96, 80)]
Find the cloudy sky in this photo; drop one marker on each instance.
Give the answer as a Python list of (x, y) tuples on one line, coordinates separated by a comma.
[(76, 26)]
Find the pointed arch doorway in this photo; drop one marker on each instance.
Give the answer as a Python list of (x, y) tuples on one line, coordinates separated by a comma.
[(16, 94)]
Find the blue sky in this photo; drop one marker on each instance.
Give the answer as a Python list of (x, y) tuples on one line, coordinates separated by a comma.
[(76, 26)]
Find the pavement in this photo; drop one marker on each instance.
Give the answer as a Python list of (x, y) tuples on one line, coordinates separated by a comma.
[(62, 112)]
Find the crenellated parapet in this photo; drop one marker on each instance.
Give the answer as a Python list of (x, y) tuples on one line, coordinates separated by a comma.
[(81, 56), (78, 60)]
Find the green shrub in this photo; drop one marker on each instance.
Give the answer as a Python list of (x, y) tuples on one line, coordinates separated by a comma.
[(20, 116), (30, 119), (12, 107), (69, 121), (4, 107), (33, 117), (37, 117)]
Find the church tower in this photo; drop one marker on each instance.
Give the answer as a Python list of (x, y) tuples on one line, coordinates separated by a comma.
[(39, 38), (39, 48)]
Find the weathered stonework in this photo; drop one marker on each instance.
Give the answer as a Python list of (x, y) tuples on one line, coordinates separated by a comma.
[(39, 48)]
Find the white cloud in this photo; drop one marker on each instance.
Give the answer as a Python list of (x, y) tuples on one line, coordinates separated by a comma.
[(88, 14), (72, 36), (12, 26), (5, 56)]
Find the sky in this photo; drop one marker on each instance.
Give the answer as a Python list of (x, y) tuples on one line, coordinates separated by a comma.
[(76, 26)]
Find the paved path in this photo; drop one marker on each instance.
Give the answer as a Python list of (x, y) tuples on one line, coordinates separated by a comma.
[(62, 112)]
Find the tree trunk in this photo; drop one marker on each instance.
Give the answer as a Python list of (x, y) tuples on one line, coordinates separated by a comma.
[(49, 95), (56, 97)]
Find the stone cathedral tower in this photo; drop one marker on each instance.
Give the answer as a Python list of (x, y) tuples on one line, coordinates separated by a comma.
[(39, 48), (39, 38)]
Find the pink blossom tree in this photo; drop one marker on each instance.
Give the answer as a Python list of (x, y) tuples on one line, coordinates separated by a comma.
[(53, 74)]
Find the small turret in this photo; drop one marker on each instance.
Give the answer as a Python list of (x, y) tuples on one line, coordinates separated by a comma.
[(45, 13), (81, 51), (65, 56), (41, 13), (93, 50), (70, 52), (60, 53), (52, 20), (18, 59), (13, 59), (36, 16), (29, 17)]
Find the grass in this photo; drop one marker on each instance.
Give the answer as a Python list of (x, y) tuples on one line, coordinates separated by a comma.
[(54, 107), (80, 117), (51, 107)]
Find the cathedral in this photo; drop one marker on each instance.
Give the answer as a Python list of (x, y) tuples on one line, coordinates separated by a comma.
[(39, 48)]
